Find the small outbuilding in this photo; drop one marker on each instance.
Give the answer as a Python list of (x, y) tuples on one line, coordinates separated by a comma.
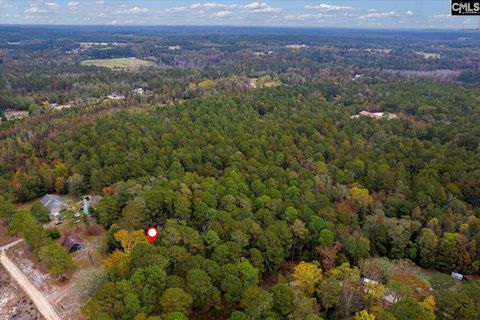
[(457, 276), (73, 243)]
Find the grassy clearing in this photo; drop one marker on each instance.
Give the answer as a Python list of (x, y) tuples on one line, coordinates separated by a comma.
[(428, 55), (26, 205), (118, 63)]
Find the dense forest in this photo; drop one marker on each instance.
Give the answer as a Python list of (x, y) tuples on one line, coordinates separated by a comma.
[(242, 185), (272, 201)]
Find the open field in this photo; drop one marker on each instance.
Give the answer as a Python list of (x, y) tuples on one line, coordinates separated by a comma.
[(118, 63), (26, 205), (428, 55)]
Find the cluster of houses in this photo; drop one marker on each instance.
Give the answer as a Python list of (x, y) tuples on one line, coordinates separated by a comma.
[(116, 96), (263, 53), (375, 115), (119, 96), (11, 114)]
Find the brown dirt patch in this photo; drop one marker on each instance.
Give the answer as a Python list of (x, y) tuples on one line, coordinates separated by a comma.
[(4, 237), (66, 297), (14, 304)]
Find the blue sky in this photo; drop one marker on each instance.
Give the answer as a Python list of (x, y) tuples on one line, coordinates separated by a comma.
[(396, 14)]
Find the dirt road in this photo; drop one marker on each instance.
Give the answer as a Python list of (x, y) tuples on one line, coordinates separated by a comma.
[(38, 299)]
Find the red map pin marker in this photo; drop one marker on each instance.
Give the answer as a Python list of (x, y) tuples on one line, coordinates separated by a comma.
[(152, 234)]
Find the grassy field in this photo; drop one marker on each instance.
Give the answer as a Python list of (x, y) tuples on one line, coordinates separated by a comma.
[(117, 63), (428, 55), (26, 205)]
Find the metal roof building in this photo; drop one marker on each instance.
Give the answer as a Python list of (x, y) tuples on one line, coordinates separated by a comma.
[(54, 203)]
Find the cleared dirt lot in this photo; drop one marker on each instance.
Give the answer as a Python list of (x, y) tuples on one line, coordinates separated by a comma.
[(65, 297), (14, 304), (4, 237)]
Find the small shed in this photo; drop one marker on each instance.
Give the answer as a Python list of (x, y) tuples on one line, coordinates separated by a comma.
[(73, 243), (457, 276)]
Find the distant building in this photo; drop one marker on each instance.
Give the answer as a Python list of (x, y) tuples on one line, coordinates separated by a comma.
[(173, 48), (87, 45), (73, 243), (367, 281), (457, 276), (356, 77), (296, 46), (388, 299), (56, 106), (375, 115), (115, 96), (53, 202), (15, 114), (139, 91)]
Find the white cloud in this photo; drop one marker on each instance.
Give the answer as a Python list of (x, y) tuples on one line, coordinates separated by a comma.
[(328, 7), (211, 5), (376, 15), (35, 10), (372, 10), (257, 7), (223, 14), (176, 10), (138, 10), (409, 13), (72, 4), (442, 16), (51, 4), (4, 4), (303, 17), (100, 1)]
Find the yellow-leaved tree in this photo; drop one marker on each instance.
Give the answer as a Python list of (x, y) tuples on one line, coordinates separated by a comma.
[(128, 240), (307, 275), (364, 315)]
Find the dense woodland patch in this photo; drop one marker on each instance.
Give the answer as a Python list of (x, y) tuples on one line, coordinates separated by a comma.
[(242, 186)]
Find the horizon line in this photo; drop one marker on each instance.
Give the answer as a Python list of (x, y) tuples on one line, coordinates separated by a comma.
[(238, 26)]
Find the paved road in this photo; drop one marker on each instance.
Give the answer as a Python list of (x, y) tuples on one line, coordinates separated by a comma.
[(38, 299)]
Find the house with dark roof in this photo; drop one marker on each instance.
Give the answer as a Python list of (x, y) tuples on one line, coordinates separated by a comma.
[(73, 243)]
